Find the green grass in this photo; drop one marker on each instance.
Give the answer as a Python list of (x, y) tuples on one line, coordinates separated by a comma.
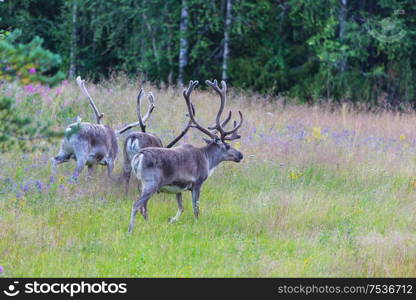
[(263, 225), (293, 208)]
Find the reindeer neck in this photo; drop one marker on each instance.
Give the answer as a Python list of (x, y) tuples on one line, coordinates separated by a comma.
[(212, 154)]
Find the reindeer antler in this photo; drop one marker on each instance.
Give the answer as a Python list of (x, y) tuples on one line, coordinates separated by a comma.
[(184, 131), (187, 95), (143, 120), (81, 84), (151, 100), (218, 125), (223, 124)]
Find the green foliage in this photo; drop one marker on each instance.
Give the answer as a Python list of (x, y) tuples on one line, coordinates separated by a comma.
[(26, 64), (295, 47), (19, 130)]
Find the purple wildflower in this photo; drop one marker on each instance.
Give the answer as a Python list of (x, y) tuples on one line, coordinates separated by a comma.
[(302, 134), (26, 187), (1, 270), (38, 185), (29, 88), (59, 91), (32, 71)]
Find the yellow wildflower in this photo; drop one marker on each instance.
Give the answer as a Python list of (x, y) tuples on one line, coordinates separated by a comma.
[(316, 133), (307, 261), (61, 179), (295, 175)]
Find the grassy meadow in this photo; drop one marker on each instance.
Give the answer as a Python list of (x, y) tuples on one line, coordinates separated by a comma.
[(318, 194)]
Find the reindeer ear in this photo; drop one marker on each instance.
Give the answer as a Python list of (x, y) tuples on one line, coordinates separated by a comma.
[(208, 141), (217, 140)]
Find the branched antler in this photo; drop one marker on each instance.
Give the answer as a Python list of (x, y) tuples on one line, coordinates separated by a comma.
[(223, 124), (184, 131), (230, 134), (81, 84), (219, 126), (142, 120), (187, 95)]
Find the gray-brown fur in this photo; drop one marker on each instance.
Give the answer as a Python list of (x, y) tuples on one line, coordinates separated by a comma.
[(183, 168), (135, 142), (88, 144)]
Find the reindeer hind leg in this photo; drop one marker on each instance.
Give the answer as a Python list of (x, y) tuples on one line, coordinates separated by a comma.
[(141, 204), (180, 209), (81, 156)]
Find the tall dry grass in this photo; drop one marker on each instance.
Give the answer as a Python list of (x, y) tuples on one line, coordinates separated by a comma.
[(319, 193)]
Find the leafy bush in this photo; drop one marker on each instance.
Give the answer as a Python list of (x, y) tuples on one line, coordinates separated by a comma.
[(26, 64)]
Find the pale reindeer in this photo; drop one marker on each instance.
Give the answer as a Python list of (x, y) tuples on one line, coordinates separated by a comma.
[(136, 141), (185, 168), (89, 144)]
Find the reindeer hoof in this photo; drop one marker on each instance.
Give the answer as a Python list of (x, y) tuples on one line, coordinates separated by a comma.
[(172, 220)]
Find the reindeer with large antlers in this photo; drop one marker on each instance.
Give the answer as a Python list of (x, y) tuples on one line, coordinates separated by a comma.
[(185, 168), (89, 144), (136, 141)]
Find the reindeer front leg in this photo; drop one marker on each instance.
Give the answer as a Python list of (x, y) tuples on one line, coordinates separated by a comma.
[(78, 169), (195, 200), (125, 177), (110, 167)]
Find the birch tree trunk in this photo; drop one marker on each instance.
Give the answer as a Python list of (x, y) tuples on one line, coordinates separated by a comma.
[(183, 41), (226, 50), (342, 21), (73, 51)]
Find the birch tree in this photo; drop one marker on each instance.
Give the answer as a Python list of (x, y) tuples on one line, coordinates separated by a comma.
[(226, 50), (183, 41), (74, 37)]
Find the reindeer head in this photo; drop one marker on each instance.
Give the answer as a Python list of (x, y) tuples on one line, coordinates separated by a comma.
[(218, 136)]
